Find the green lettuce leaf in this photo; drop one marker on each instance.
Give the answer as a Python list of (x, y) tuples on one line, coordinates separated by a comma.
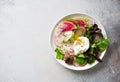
[(101, 44), (80, 60), (59, 54)]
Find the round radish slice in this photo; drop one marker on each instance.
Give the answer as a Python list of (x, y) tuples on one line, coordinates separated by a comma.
[(81, 23), (67, 26)]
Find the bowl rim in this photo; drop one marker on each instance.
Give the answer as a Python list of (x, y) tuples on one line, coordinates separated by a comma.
[(71, 66)]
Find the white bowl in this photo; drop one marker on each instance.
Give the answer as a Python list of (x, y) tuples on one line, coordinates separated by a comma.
[(71, 66)]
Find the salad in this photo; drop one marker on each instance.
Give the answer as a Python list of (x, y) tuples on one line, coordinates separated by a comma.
[(79, 41)]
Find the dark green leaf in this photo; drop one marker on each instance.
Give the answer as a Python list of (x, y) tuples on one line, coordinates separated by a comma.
[(91, 60)]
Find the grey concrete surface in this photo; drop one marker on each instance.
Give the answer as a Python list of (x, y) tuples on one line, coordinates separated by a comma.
[(25, 52)]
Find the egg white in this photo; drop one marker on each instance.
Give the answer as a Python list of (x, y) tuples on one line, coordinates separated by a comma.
[(83, 47)]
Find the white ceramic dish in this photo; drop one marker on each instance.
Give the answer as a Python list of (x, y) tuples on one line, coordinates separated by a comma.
[(53, 47)]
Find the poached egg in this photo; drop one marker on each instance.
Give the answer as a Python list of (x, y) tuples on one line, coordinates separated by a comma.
[(81, 45)]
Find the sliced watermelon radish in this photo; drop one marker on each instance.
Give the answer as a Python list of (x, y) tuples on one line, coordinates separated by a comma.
[(67, 26), (81, 23), (78, 22)]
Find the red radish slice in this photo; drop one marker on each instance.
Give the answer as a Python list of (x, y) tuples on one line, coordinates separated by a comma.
[(81, 23), (67, 26)]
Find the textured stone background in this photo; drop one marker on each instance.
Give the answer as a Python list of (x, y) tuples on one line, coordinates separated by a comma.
[(25, 53)]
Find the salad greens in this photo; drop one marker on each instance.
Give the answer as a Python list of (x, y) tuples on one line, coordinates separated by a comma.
[(81, 56), (80, 60), (102, 44), (59, 54), (91, 59)]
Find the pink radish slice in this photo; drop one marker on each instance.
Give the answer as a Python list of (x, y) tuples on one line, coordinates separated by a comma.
[(68, 54), (67, 26), (69, 49), (81, 23)]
